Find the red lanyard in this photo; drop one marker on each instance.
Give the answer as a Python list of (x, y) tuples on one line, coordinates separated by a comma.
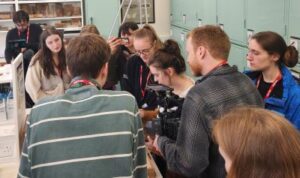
[(81, 83), (27, 34), (222, 63), (141, 81), (271, 88)]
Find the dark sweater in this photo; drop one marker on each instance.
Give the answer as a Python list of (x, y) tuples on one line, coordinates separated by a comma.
[(138, 77), (33, 41), (194, 154)]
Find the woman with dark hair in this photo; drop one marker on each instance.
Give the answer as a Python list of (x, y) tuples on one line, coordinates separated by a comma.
[(122, 49), (168, 66), (47, 74), (268, 58), (257, 143)]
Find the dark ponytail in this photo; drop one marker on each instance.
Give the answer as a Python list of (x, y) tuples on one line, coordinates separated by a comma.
[(273, 43), (290, 57), (169, 56)]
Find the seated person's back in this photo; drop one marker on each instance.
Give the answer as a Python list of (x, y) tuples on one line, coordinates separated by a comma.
[(87, 132)]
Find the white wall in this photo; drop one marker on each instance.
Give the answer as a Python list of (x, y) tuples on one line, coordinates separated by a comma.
[(162, 18)]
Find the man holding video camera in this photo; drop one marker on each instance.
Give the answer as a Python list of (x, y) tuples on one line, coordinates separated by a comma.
[(221, 88)]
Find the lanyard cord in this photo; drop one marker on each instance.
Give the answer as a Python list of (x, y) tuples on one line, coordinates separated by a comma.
[(222, 63), (141, 81), (83, 82), (271, 88), (27, 34)]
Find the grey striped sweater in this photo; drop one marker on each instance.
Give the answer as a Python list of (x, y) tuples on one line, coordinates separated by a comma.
[(85, 133)]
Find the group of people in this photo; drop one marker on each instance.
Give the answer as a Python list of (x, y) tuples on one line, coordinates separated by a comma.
[(85, 129)]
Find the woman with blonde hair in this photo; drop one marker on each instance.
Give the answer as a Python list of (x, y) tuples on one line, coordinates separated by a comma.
[(145, 42), (257, 143)]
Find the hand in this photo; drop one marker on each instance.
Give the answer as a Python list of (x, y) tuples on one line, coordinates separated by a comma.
[(114, 43), (152, 145), (148, 115)]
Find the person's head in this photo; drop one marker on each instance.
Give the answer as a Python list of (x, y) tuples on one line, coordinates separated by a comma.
[(21, 20), (51, 41), (267, 49), (258, 143), (90, 29), (204, 45), (166, 63), (146, 42), (126, 30), (87, 56), (51, 44)]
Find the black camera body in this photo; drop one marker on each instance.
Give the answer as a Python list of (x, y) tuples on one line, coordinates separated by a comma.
[(168, 118)]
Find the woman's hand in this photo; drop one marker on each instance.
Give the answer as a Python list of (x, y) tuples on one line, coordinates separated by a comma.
[(114, 42)]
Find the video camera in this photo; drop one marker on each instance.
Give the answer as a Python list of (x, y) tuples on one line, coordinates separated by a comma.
[(168, 118)]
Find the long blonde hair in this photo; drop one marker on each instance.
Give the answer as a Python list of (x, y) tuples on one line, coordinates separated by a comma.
[(260, 144)]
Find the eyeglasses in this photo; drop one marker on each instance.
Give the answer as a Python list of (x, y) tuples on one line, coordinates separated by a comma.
[(144, 51)]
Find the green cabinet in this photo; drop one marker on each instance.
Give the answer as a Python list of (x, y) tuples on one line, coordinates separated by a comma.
[(230, 14), (294, 26), (179, 35), (191, 13), (267, 15), (102, 14), (188, 13), (209, 11), (237, 57), (176, 12), (294, 18)]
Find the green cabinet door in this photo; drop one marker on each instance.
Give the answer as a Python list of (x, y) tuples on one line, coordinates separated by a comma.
[(294, 18), (176, 12), (179, 35), (294, 28), (237, 57), (192, 11), (102, 13), (231, 15), (266, 15), (209, 11)]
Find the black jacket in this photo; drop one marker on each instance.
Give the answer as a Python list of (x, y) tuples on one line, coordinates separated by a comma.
[(33, 41), (138, 77)]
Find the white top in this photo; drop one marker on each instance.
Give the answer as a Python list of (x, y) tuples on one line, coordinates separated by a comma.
[(38, 85)]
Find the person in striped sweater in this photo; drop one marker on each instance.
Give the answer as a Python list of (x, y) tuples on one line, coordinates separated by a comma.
[(87, 132)]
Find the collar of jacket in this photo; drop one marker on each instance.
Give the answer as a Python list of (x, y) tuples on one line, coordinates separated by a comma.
[(222, 70)]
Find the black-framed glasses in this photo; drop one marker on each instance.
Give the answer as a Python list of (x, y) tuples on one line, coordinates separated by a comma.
[(144, 51)]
